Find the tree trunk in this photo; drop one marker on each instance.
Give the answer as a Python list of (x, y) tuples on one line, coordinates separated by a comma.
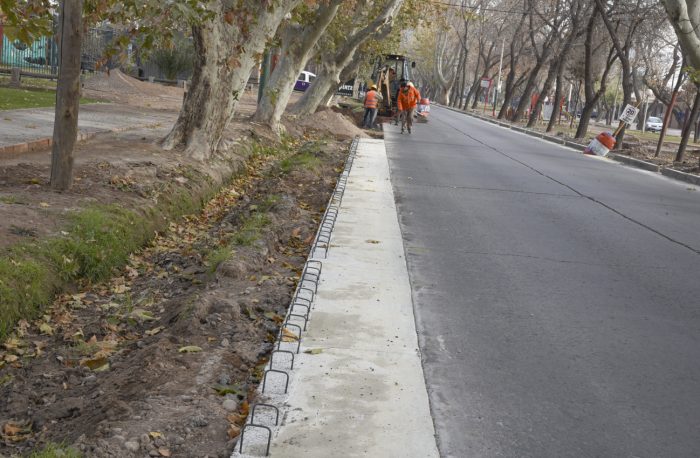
[(556, 108), (690, 122), (513, 57), (454, 96), (65, 127), (667, 115), (226, 53), (475, 82), (529, 86), (508, 94), (332, 64), (298, 43), (551, 73)]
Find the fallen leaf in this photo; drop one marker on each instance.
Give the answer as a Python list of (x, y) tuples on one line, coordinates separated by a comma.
[(102, 368), (10, 358), (95, 364), (190, 349), (16, 432), (373, 241), (233, 431), (154, 331), (120, 289), (274, 317), (164, 451), (131, 272), (314, 351), (289, 336), (155, 434), (45, 328), (141, 315), (13, 343), (44, 204), (296, 233), (236, 418)]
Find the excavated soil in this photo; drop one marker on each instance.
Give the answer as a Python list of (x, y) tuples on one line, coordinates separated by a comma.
[(163, 359), (333, 123)]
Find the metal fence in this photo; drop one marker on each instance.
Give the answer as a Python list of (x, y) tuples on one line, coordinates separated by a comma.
[(41, 58)]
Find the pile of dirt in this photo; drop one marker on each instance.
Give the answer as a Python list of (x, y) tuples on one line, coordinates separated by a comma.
[(333, 123), (163, 359), (117, 87)]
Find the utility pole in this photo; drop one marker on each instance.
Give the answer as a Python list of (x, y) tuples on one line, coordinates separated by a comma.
[(498, 86), (65, 126)]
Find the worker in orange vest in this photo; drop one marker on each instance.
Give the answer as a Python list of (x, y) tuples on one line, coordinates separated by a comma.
[(372, 100), (407, 101)]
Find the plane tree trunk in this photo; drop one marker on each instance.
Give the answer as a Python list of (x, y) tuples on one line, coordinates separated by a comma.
[(227, 48)]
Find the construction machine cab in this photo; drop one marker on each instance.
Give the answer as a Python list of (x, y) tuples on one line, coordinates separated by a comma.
[(389, 71)]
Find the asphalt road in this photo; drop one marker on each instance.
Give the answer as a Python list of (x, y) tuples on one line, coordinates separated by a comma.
[(557, 296)]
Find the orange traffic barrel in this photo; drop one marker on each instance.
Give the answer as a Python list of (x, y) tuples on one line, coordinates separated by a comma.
[(601, 145)]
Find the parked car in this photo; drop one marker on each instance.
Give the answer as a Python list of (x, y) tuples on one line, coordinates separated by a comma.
[(304, 81), (654, 124)]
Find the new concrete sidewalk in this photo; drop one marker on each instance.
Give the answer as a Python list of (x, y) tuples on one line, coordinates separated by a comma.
[(364, 394), (31, 129)]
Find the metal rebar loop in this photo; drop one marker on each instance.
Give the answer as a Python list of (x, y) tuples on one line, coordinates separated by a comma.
[(276, 371), (252, 425), (272, 357), (270, 406)]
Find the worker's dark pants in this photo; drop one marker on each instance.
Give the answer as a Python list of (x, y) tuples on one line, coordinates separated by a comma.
[(370, 116)]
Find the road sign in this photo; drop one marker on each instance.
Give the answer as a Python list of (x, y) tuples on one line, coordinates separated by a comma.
[(347, 88), (485, 82), (629, 114)]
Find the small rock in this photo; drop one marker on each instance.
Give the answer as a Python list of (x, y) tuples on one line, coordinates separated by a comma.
[(186, 398), (154, 452), (132, 446), (198, 422), (224, 379), (90, 379), (225, 343), (119, 439), (178, 440), (230, 405), (159, 442), (145, 441)]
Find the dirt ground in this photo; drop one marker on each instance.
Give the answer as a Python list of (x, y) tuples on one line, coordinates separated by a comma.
[(644, 149), (162, 359), (117, 87), (126, 168)]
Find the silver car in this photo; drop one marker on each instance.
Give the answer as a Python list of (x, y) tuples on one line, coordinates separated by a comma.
[(654, 124)]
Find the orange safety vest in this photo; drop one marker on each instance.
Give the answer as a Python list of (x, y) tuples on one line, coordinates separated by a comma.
[(371, 99), (409, 99)]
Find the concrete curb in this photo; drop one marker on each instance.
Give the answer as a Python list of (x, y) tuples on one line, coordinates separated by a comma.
[(47, 142), (630, 161), (682, 176), (638, 163)]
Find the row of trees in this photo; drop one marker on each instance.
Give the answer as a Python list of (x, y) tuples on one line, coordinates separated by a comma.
[(229, 37), (597, 55)]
